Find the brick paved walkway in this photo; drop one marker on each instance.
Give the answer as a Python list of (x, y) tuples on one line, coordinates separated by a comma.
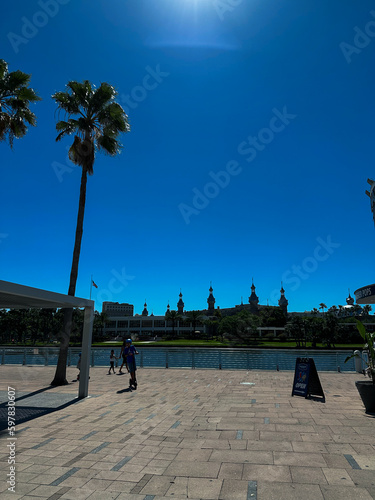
[(196, 434)]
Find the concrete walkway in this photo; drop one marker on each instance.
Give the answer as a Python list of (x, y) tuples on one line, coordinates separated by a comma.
[(197, 434)]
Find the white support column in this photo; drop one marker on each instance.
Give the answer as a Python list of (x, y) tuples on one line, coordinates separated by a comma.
[(83, 389)]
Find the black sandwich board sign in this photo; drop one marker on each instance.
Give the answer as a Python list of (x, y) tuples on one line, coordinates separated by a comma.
[(306, 380)]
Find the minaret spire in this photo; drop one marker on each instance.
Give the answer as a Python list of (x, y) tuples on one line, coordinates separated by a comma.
[(253, 299), (211, 300), (283, 303), (145, 312), (180, 304)]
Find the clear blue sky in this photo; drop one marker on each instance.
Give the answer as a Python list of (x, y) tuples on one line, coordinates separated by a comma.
[(278, 95)]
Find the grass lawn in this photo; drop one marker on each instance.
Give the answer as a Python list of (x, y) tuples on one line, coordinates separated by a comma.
[(216, 343), (197, 343)]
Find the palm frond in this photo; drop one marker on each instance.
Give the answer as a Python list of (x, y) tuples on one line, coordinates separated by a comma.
[(28, 94), (103, 95), (18, 79), (28, 116), (113, 115), (81, 92), (108, 145), (66, 102), (66, 128), (3, 69)]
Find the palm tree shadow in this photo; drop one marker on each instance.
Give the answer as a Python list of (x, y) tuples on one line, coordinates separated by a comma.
[(25, 413), (30, 394)]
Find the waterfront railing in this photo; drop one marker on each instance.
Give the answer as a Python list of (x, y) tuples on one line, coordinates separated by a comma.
[(186, 357)]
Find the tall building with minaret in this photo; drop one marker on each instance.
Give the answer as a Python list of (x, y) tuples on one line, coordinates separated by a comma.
[(253, 300), (283, 302), (180, 305), (211, 301)]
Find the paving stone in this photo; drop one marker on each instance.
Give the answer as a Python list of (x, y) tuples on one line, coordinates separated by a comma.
[(336, 461), (270, 446), (363, 478), (194, 455), (109, 495), (45, 491), (233, 489), (193, 469), (77, 494), (23, 488), (284, 491), (231, 471), (366, 462), (245, 456), (97, 484), (331, 492), (301, 459), (118, 487), (338, 476), (307, 475), (158, 485), (273, 473), (306, 447), (204, 488)]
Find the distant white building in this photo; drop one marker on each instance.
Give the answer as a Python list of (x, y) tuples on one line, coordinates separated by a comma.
[(116, 309)]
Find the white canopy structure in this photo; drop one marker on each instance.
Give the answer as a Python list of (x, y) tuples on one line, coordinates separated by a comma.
[(15, 296)]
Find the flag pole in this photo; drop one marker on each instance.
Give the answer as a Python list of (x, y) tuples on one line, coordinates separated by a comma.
[(90, 286)]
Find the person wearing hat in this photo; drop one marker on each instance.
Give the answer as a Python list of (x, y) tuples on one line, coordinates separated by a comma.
[(130, 352)]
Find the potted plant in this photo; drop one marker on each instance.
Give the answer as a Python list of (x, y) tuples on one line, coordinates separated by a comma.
[(366, 388)]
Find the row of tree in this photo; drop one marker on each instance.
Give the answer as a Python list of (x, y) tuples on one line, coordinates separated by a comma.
[(328, 331), (242, 328), (45, 326), (342, 311)]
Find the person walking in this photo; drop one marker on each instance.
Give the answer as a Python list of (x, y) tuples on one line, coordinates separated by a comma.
[(130, 352), (123, 347), (79, 365), (112, 359)]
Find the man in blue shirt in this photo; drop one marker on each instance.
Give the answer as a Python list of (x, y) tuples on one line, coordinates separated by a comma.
[(130, 352)]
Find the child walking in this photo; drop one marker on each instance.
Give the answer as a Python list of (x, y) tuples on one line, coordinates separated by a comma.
[(79, 365), (112, 358), (122, 354)]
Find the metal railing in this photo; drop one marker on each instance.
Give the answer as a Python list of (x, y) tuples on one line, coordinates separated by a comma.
[(194, 358)]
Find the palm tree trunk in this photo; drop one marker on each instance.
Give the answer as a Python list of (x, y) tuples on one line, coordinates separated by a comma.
[(60, 374)]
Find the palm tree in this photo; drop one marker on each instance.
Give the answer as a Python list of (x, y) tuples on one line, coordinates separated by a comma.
[(15, 99), (366, 309), (96, 120), (173, 317), (357, 310), (193, 317), (322, 306), (333, 310), (99, 321)]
